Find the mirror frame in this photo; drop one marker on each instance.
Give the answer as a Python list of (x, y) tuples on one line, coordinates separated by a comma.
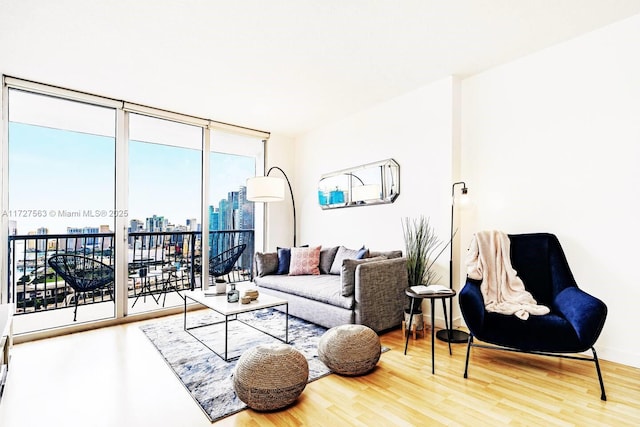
[(387, 181)]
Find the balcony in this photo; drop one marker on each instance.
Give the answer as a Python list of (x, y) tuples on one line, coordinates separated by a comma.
[(159, 265)]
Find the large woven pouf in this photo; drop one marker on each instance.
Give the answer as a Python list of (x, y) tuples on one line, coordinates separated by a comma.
[(350, 349), (270, 376)]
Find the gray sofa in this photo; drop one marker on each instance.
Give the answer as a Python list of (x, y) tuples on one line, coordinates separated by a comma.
[(367, 291)]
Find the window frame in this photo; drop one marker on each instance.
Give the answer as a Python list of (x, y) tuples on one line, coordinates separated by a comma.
[(121, 181)]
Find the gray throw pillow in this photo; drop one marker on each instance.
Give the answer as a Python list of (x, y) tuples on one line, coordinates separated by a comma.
[(266, 263), (348, 274), (327, 256), (342, 254), (387, 254)]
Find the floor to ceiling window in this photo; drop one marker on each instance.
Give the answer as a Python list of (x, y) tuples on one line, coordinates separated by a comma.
[(123, 191), (165, 192), (61, 160), (232, 218)]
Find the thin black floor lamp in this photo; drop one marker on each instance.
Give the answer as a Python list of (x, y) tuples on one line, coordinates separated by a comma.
[(457, 336), (266, 189)]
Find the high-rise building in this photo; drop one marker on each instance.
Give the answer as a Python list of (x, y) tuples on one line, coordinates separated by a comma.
[(223, 215), (232, 208), (106, 243), (245, 222), (192, 224), (135, 225), (246, 209), (155, 224), (41, 244), (233, 213), (213, 218)]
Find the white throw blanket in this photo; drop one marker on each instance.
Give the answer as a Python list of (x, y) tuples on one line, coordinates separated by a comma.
[(503, 291)]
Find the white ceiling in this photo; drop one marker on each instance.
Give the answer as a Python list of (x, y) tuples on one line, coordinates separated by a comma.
[(284, 66)]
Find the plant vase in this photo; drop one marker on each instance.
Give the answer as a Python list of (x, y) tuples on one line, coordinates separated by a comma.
[(417, 320)]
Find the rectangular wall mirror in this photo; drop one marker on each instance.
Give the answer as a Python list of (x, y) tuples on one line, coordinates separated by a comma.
[(371, 184)]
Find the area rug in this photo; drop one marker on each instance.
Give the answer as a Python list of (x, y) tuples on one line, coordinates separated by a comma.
[(209, 378)]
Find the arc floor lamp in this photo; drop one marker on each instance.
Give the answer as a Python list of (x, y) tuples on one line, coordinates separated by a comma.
[(457, 336), (267, 189)]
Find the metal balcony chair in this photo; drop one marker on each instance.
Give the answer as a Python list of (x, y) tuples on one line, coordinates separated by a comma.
[(82, 274), (222, 264)]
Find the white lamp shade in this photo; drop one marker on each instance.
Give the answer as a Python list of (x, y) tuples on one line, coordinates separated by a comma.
[(265, 189), (365, 192), (464, 200)]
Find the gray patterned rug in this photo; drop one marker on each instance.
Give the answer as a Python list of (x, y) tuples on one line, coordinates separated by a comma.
[(205, 375)]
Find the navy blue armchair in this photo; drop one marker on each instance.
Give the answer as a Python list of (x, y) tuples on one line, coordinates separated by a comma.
[(573, 325)]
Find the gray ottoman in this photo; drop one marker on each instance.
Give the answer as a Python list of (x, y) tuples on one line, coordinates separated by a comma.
[(350, 349), (271, 376)]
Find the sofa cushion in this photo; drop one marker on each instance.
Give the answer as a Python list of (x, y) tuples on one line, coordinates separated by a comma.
[(304, 261), (327, 256), (387, 254), (348, 273), (266, 263), (324, 288), (342, 254)]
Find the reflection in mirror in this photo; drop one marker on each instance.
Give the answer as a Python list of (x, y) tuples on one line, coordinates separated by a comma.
[(370, 184)]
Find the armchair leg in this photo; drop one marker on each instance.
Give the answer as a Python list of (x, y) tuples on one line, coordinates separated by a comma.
[(466, 363), (603, 395)]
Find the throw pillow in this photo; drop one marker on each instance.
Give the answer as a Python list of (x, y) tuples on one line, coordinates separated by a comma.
[(304, 261), (284, 259), (348, 273), (266, 263), (342, 254), (362, 253), (327, 255)]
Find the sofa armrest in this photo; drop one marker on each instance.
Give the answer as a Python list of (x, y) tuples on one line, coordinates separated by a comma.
[(379, 293), (472, 305), (585, 312)]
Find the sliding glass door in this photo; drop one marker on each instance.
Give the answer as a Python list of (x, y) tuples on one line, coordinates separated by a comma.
[(61, 161), (165, 192)]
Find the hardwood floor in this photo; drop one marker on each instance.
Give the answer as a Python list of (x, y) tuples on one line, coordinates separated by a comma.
[(115, 377)]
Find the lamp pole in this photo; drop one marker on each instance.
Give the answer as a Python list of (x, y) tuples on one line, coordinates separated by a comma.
[(293, 203), (453, 335)]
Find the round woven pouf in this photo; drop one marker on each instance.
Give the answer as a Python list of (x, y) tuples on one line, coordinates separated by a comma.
[(349, 349), (271, 376)]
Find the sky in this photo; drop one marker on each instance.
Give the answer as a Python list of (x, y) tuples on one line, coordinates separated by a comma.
[(60, 178)]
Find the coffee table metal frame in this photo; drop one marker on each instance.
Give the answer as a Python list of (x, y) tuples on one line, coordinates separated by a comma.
[(230, 311)]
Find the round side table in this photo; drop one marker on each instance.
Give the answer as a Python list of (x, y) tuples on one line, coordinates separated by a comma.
[(432, 297)]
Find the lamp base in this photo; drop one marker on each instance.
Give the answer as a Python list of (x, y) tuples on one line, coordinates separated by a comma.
[(457, 336)]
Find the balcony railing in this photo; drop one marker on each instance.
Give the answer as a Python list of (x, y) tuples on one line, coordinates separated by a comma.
[(174, 257)]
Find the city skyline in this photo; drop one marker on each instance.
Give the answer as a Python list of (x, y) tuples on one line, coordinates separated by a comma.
[(162, 180), (245, 220)]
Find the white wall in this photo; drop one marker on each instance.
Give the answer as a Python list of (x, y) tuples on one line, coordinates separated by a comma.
[(416, 130), (551, 143), (279, 215)]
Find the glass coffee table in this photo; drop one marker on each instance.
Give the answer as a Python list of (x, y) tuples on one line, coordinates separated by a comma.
[(230, 311)]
